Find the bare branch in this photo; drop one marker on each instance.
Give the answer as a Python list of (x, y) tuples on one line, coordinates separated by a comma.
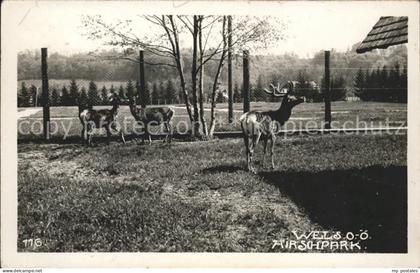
[(185, 23)]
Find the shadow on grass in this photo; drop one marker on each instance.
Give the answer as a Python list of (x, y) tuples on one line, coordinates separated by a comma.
[(372, 199)]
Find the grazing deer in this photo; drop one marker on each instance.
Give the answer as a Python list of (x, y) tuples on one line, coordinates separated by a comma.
[(256, 123), (153, 116), (104, 118)]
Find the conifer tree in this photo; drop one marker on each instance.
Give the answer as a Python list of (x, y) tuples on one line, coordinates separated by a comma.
[(74, 92), (121, 92), (161, 92), (154, 93), (24, 98), (368, 85), (338, 90), (54, 97), (384, 93), (130, 90), (359, 84), (93, 95), (112, 89), (395, 79), (104, 96), (65, 97), (83, 97)]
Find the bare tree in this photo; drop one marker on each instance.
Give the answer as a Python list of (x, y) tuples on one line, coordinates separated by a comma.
[(164, 43), (209, 43)]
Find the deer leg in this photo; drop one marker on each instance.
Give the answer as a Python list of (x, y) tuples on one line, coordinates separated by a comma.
[(250, 154), (144, 134), (108, 133), (84, 134), (246, 141), (90, 133), (119, 130), (265, 148), (122, 136), (255, 140), (148, 134), (168, 134), (87, 134), (166, 129), (273, 141)]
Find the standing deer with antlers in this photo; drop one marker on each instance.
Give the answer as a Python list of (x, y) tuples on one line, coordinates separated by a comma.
[(153, 116), (256, 124), (97, 119)]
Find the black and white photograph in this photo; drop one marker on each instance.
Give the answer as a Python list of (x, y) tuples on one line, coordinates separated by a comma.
[(211, 127)]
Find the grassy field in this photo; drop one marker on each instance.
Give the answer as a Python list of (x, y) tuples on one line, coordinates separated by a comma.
[(198, 197), (306, 115)]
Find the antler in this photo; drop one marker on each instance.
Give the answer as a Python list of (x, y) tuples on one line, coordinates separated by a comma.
[(276, 91)]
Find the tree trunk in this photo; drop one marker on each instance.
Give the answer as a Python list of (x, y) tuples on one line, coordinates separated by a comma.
[(200, 87), (216, 79), (178, 61), (196, 123), (184, 89)]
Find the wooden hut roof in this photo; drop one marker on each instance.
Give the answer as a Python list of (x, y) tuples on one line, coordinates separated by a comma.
[(387, 31)]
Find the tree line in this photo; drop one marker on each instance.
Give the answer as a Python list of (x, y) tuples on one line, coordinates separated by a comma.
[(264, 69), (99, 66), (386, 84), (380, 84), (162, 92)]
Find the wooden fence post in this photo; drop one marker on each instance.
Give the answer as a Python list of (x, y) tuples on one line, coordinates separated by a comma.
[(246, 80), (45, 94), (327, 96), (230, 92)]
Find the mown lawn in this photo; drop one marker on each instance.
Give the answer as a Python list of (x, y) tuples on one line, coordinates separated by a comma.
[(307, 115), (197, 196)]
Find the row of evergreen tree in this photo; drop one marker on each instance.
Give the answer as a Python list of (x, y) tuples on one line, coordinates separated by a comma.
[(156, 93), (382, 84)]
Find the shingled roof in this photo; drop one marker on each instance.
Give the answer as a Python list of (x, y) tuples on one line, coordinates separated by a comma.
[(387, 31)]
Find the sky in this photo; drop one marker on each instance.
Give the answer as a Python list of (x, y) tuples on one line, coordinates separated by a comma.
[(310, 26)]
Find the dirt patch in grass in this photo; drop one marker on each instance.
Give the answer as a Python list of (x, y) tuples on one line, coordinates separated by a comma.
[(198, 197)]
